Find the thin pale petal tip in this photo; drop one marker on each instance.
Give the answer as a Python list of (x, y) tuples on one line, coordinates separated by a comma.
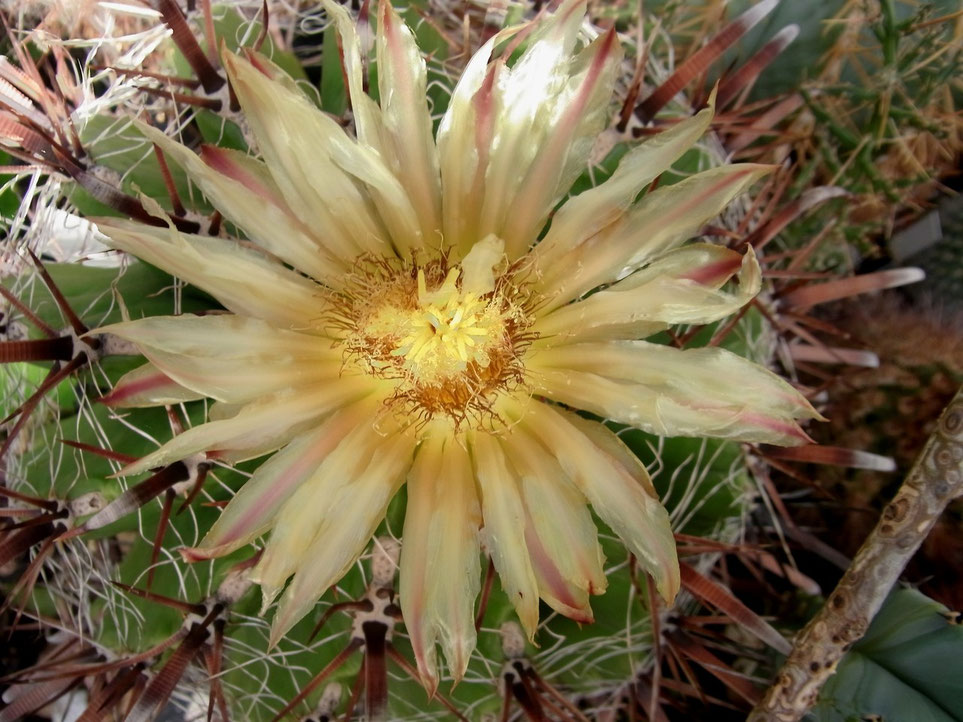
[(206, 552), (111, 399), (794, 434), (279, 627), (191, 555), (669, 584), (458, 663), (427, 672), (580, 615)]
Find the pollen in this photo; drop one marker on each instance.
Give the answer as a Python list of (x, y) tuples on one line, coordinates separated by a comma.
[(451, 336), (448, 330)]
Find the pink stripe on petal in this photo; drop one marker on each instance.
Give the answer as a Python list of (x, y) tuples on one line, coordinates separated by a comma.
[(788, 429), (221, 161), (548, 575), (484, 102), (278, 491), (713, 274), (255, 60), (542, 180), (123, 392), (406, 116), (254, 507), (733, 178)]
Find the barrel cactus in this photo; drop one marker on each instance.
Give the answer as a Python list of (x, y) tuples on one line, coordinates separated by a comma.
[(263, 323)]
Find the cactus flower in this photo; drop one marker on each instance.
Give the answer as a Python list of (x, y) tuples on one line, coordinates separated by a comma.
[(393, 318)]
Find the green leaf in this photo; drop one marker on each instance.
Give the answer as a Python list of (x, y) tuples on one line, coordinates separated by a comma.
[(236, 31), (334, 96), (9, 198), (94, 293), (905, 668)]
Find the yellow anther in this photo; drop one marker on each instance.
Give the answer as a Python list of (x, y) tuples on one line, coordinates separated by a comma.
[(447, 330), (445, 335)]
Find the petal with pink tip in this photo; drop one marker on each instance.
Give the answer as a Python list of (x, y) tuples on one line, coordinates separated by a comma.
[(345, 530), (589, 212), (369, 123), (260, 426), (330, 180), (557, 592), (147, 385), (464, 144), (402, 79), (567, 144), (301, 515), (616, 496), (243, 280), (560, 527), (239, 190), (232, 358), (659, 222), (681, 287), (531, 100), (670, 411), (252, 510), (699, 377), (439, 557), (504, 533)]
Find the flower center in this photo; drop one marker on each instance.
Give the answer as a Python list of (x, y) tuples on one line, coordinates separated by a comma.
[(447, 331), (450, 336)]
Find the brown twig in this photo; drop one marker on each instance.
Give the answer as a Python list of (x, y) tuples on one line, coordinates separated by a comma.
[(935, 479)]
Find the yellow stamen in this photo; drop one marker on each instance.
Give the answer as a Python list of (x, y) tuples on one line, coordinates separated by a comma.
[(451, 349)]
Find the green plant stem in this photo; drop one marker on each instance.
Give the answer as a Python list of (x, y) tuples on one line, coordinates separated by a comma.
[(935, 479)]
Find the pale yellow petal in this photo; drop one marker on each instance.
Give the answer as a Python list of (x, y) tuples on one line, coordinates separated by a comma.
[(402, 80), (681, 287), (465, 137), (583, 111), (306, 152), (232, 358), (504, 532), (668, 411), (592, 210), (440, 542), (618, 498), (699, 376), (240, 380), (243, 280), (529, 101), (351, 518), (223, 335), (254, 206), (416, 557), (556, 591), (369, 124), (298, 519), (610, 443), (256, 504), (261, 425), (561, 528), (660, 221)]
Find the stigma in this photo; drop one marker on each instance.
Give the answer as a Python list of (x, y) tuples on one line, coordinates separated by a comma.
[(450, 336), (448, 330)]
